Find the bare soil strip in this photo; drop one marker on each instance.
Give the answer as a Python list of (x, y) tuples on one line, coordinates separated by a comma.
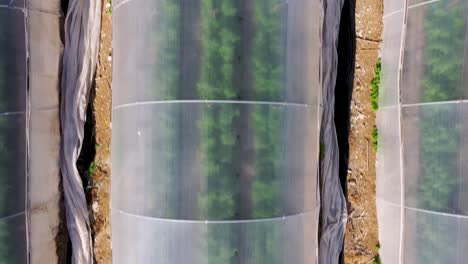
[(361, 242)]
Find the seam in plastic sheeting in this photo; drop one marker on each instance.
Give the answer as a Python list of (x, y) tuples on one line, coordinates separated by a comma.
[(27, 117), (333, 213), (436, 103), (424, 210), (423, 3), (210, 102), (389, 107), (392, 13), (400, 130), (11, 113), (216, 221), (23, 9), (44, 11), (12, 7), (82, 27), (120, 4), (12, 216)]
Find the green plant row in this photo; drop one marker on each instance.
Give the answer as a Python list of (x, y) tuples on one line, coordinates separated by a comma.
[(438, 186), (375, 86), (375, 139), (166, 41), (444, 27), (218, 127), (266, 121), (166, 78), (219, 41)]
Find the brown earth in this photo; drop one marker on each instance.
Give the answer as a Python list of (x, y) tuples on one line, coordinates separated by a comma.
[(361, 242), (100, 181)]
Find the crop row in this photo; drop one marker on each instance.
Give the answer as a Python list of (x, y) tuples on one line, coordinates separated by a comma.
[(444, 28)]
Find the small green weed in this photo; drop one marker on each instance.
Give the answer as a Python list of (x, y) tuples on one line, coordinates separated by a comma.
[(375, 86), (321, 151), (377, 258), (109, 7), (375, 139), (92, 168)]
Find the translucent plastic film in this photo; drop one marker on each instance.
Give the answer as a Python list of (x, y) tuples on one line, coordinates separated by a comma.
[(263, 50), (45, 54), (216, 118), (389, 216), (392, 37), (436, 191), (439, 183), (13, 243), (393, 6), (389, 184), (13, 78), (435, 52), (281, 240), (422, 155), (434, 238), (389, 156), (247, 164)]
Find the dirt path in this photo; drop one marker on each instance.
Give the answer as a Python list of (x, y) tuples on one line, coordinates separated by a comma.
[(100, 182), (361, 233)]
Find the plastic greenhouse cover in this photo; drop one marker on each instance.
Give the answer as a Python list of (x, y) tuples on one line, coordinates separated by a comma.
[(216, 126), (422, 186), (31, 50), (82, 26), (29, 127)]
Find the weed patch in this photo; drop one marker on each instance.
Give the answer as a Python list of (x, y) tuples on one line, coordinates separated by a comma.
[(375, 86), (375, 139)]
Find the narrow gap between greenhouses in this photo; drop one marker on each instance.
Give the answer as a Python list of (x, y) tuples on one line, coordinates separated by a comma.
[(63, 242), (86, 163), (344, 88)]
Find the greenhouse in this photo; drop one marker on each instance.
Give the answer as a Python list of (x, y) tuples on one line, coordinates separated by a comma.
[(237, 131), (29, 128), (220, 114), (422, 121), (222, 124), (32, 52)]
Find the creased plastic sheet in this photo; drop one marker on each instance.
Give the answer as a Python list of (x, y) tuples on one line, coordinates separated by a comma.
[(82, 27), (215, 139), (333, 203)]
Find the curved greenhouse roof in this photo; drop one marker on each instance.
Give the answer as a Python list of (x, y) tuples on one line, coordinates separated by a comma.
[(422, 185), (220, 109), (218, 105), (30, 59)]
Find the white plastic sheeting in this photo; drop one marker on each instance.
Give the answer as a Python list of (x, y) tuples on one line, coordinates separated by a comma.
[(30, 59), (215, 132), (13, 88), (422, 186), (82, 27)]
